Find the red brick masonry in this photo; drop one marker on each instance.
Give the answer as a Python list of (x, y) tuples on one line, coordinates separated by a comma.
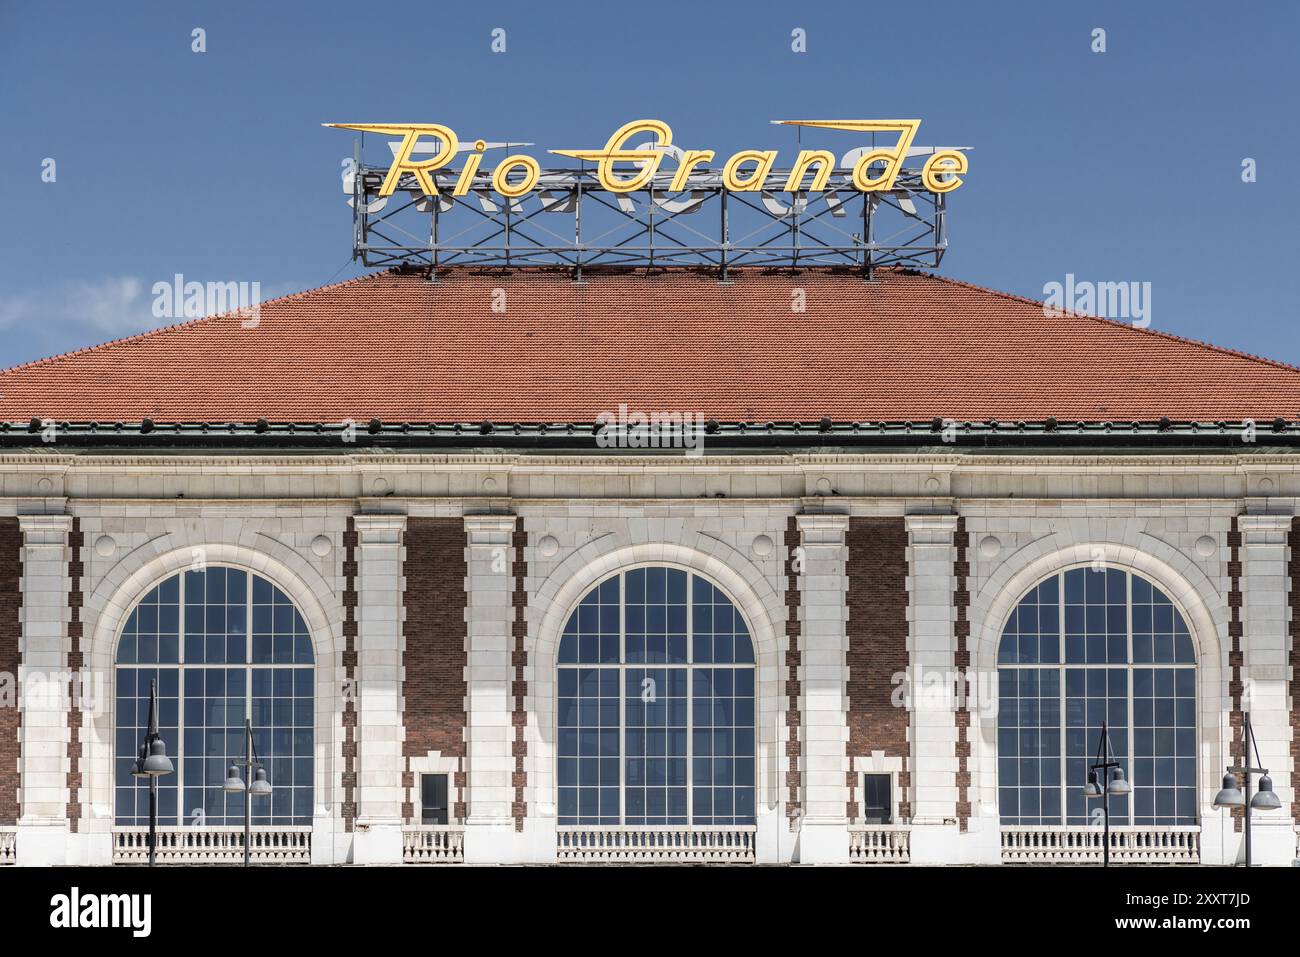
[(349, 675), (877, 631), (961, 663), (519, 688), (1293, 684), (76, 569), (793, 719), (11, 601), (434, 657), (1236, 656)]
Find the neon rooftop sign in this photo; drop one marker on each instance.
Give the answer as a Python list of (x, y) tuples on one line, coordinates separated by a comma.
[(871, 169)]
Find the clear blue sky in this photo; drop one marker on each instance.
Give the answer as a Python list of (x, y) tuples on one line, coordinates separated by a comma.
[(1114, 167)]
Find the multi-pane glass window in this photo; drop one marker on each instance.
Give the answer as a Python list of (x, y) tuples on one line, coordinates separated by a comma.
[(223, 645), (656, 704), (1086, 646)]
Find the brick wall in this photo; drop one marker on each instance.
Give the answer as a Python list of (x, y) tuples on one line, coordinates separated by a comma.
[(961, 662), (519, 687), (1293, 683), (793, 718), (877, 631), (349, 675), (11, 573), (76, 570), (1236, 655), (434, 657)]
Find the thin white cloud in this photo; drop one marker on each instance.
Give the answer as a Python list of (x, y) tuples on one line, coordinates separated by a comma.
[(114, 306), (83, 312)]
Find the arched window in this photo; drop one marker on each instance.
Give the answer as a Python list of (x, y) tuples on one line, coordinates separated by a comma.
[(222, 644), (656, 705), (1084, 646)]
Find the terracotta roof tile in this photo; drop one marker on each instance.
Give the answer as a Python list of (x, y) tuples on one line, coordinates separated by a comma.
[(908, 346)]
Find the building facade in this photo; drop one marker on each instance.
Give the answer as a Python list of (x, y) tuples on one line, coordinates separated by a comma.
[(932, 541)]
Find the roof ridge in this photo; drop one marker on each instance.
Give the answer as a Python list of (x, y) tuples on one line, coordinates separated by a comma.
[(1115, 323), (147, 333)]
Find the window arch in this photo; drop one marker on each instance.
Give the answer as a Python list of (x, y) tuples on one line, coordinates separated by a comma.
[(655, 717), (222, 644), (1087, 645)]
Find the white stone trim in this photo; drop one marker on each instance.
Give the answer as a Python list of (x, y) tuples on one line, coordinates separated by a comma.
[(931, 649), (42, 691), (489, 637)]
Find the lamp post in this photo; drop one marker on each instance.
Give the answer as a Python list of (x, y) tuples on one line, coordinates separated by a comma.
[(1265, 800), (1104, 766), (260, 787), (152, 763)]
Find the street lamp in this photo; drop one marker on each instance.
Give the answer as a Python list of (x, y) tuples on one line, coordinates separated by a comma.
[(1265, 800), (260, 787), (1116, 786), (152, 763)]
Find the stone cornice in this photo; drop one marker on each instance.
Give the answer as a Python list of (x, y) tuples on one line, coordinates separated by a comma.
[(361, 461)]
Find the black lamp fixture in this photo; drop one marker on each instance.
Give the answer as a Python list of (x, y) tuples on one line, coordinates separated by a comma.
[(1105, 766), (152, 763), (260, 787), (1265, 798)]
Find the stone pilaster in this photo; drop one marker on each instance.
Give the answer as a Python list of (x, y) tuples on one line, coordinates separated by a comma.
[(379, 763), (43, 684), (489, 620), (823, 677), (1265, 670), (932, 647)]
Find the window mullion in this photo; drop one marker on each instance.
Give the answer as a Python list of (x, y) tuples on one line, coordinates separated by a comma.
[(690, 700), (1062, 745), (622, 700), (1128, 688), (180, 700), (248, 663)]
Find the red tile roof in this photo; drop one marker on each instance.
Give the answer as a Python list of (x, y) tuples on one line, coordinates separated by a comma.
[(908, 346)]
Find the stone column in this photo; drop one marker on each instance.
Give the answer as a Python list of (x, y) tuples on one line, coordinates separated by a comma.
[(823, 700), (932, 646), (379, 763), (42, 679), (489, 833), (1265, 646)]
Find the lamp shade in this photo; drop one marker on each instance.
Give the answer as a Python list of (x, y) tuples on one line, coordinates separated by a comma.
[(234, 783), (137, 766), (1230, 796), (1266, 798), (1117, 787), (261, 786), (157, 763), (1092, 789)]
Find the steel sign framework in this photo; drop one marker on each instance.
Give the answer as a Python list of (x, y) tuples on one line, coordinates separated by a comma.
[(570, 220)]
